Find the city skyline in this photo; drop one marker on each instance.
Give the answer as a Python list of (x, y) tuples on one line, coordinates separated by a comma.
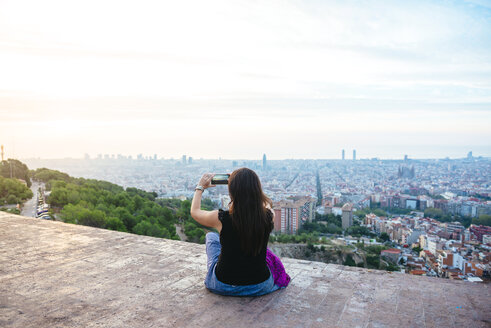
[(234, 80), (179, 157)]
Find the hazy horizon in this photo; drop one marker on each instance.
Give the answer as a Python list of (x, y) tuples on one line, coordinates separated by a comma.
[(348, 157), (236, 79)]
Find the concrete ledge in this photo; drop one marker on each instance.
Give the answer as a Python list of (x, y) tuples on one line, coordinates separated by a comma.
[(54, 274)]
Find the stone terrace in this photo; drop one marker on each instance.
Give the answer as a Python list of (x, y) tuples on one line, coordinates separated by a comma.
[(54, 274)]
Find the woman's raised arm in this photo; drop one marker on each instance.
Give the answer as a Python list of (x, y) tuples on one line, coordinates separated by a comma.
[(206, 218)]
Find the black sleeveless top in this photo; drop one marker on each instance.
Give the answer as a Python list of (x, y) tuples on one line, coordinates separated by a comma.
[(234, 267)]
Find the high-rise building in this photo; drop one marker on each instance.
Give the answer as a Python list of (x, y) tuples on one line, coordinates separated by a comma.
[(469, 155), (347, 216), (342, 154), (405, 171), (183, 159), (292, 212), (190, 160), (405, 158), (354, 154), (290, 222), (264, 161)]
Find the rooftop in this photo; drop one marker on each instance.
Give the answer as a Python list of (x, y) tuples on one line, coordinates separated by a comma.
[(54, 274), (347, 207)]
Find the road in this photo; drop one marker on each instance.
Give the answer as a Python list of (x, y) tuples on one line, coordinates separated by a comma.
[(30, 206)]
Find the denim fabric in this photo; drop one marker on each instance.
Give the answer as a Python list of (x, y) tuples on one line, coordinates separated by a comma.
[(213, 248)]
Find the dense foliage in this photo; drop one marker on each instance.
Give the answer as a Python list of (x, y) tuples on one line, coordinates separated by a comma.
[(362, 212), (358, 231), (106, 205), (331, 222), (46, 175), (303, 238), (331, 228), (10, 210), (483, 219), (384, 236), (12, 191), (13, 168), (466, 221)]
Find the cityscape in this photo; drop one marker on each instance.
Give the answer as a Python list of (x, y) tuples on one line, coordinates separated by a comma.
[(424, 203), (366, 122)]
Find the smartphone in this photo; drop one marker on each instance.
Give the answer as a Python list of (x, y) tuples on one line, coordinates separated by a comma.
[(220, 179)]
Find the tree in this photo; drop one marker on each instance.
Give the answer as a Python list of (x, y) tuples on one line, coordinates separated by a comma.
[(12, 199), (149, 229), (483, 219), (432, 212), (358, 231), (113, 223), (106, 205), (384, 236), (13, 168), (392, 267), (12, 191), (349, 261), (373, 261), (58, 197), (93, 218), (379, 212)]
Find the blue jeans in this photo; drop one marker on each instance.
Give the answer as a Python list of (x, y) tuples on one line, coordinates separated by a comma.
[(213, 249)]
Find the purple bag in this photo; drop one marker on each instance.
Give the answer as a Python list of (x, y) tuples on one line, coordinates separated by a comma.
[(280, 277)]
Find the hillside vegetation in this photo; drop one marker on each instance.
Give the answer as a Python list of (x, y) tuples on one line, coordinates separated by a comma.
[(15, 169), (106, 205), (12, 191)]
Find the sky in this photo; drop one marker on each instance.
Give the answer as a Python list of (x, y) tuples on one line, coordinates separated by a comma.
[(236, 79)]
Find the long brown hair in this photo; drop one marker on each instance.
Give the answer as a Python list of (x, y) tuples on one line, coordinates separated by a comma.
[(250, 216)]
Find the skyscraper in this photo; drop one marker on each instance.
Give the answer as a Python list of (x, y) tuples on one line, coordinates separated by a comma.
[(184, 159), (469, 155), (354, 154), (342, 155), (264, 161)]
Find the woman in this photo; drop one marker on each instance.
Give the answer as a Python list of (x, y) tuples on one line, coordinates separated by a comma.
[(237, 257)]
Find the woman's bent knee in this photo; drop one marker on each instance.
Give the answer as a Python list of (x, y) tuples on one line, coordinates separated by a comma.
[(212, 236)]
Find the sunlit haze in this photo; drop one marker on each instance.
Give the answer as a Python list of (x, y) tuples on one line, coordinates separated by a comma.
[(236, 79)]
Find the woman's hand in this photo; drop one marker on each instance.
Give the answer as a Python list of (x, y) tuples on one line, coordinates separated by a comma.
[(205, 180)]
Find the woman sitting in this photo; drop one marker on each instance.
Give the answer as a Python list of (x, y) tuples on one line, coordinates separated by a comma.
[(237, 256)]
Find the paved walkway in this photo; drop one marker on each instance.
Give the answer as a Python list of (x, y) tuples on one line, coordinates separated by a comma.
[(54, 274)]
